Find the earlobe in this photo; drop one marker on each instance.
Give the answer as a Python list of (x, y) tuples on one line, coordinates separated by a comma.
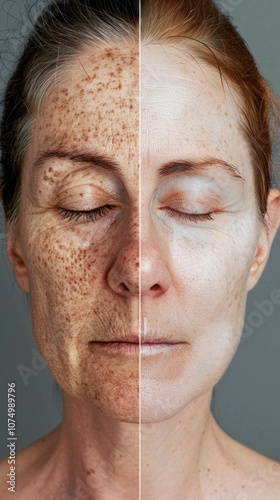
[(254, 268), (272, 221), (258, 263), (15, 256)]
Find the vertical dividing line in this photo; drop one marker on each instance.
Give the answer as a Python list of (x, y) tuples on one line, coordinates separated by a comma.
[(140, 260)]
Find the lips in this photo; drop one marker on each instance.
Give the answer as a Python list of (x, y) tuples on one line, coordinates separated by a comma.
[(146, 339), (131, 346)]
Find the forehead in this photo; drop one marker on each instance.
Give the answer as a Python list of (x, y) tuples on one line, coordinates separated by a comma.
[(94, 104), (178, 81), (183, 104), (189, 108)]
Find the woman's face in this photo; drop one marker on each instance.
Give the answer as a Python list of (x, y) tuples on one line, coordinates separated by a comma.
[(83, 271), (199, 226)]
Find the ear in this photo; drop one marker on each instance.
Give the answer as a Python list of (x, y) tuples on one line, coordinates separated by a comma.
[(15, 255), (268, 232)]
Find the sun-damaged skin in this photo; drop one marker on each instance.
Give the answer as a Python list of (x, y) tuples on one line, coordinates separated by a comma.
[(72, 267), (73, 263), (82, 275)]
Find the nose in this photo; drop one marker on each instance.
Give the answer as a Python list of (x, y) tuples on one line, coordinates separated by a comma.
[(140, 269), (123, 276), (155, 276)]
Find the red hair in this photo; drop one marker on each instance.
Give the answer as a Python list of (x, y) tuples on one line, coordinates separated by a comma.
[(208, 33)]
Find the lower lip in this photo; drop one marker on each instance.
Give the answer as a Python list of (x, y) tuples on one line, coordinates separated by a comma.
[(133, 349)]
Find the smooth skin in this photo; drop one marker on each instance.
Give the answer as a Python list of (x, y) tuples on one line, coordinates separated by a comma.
[(202, 248)]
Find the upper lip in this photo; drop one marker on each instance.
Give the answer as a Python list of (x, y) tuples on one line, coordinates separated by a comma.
[(143, 339)]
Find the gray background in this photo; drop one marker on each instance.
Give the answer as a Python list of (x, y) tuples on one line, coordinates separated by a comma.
[(246, 402)]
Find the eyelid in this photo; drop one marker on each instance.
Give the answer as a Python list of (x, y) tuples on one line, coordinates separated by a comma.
[(185, 216), (99, 190), (80, 193), (190, 201), (179, 187), (191, 197)]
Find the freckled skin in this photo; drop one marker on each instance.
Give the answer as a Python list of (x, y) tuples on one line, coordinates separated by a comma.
[(75, 268)]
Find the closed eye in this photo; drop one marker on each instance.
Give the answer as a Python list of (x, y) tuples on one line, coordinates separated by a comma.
[(86, 215), (183, 216)]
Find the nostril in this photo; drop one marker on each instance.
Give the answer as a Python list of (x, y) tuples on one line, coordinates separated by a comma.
[(155, 288), (123, 287)]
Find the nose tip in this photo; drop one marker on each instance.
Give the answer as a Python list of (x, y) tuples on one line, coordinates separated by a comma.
[(155, 279), (123, 276), (140, 272)]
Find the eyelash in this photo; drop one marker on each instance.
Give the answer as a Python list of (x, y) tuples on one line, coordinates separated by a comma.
[(86, 215), (189, 217), (97, 213)]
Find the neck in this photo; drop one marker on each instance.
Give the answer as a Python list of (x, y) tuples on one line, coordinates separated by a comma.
[(174, 452), (105, 458), (103, 453)]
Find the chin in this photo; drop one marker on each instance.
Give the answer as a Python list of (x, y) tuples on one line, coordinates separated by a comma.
[(156, 407), (154, 412), (120, 403), (163, 402)]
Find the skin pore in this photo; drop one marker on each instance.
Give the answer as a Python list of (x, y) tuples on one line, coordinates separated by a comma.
[(82, 274)]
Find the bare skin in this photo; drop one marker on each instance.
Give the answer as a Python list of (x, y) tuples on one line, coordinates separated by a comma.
[(227, 470), (78, 267)]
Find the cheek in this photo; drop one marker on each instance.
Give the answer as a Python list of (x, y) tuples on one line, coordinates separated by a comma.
[(69, 305), (66, 262), (61, 281), (65, 272), (212, 275)]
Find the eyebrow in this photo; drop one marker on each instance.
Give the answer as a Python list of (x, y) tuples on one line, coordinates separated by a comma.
[(170, 168), (95, 159), (184, 166)]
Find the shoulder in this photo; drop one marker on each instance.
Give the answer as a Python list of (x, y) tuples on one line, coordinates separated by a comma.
[(259, 474), (251, 474), (17, 472)]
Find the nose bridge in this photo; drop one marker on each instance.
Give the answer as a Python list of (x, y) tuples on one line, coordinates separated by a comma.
[(151, 239), (154, 271), (140, 263), (129, 255), (123, 275)]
